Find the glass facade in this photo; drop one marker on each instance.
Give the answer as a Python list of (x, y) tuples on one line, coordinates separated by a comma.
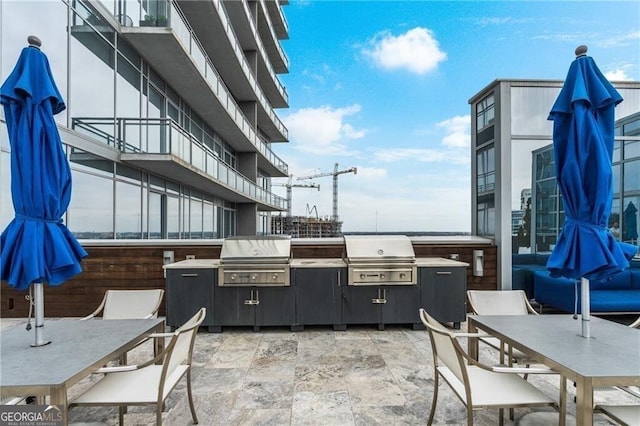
[(623, 224), (114, 97)]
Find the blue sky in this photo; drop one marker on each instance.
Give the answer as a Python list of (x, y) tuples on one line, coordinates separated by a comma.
[(384, 86)]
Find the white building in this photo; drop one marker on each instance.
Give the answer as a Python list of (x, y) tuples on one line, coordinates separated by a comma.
[(508, 124), (171, 112)]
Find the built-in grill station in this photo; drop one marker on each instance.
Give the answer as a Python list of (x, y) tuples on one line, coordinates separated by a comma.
[(380, 260), (262, 261)]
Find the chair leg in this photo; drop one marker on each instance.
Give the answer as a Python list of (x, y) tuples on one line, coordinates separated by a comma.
[(159, 413), (121, 409), (469, 415), (190, 395), (501, 416), (434, 401)]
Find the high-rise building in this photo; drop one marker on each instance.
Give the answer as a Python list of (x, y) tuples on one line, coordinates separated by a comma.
[(508, 125), (171, 112)]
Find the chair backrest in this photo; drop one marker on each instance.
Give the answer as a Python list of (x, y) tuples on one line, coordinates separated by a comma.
[(444, 346), (132, 304), (180, 348), (498, 302)]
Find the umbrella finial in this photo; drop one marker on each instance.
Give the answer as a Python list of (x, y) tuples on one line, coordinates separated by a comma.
[(34, 41), (581, 50)]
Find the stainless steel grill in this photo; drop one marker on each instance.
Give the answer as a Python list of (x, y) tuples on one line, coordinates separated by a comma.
[(262, 261), (380, 260)]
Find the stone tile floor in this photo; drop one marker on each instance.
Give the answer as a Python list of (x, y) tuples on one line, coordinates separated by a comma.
[(361, 376)]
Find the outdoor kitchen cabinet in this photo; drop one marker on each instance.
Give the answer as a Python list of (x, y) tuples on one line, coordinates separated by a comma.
[(319, 296), (187, 290), (391, 304), (444, 293), (254, 306)]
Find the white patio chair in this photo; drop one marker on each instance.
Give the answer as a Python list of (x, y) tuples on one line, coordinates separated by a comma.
[(478, 385), (129, 304), (502, 302), (624, 414), (628, 415), (148, 383)]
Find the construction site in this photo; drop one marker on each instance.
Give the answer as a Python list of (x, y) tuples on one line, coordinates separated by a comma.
[(310, 226)]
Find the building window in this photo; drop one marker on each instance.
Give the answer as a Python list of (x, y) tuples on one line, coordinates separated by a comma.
[(486, 169), (486, 218), (485, 112)]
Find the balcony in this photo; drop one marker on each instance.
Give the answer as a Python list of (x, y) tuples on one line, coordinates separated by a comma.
[(280, 25), (249, 39), (177, 56), (270, 39), (162, 147), (212, 26)]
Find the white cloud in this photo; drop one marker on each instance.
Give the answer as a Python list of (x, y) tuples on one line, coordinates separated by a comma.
[(416, 50), (458, 131), (322, 130), (617, 75)]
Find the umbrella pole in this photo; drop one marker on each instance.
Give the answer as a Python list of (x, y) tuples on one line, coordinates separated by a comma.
[(586, 309), (38, 295)]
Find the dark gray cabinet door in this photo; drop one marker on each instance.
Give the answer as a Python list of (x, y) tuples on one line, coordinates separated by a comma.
[(234, 306), (402, 304), (444, 293), (361, 305), (187, 290), (319, 295), (275, 307), (254, 306)]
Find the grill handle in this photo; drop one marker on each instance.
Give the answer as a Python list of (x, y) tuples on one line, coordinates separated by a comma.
[(189, 275), (443, 273)]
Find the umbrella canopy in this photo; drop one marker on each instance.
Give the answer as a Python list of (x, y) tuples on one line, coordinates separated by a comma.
[(36, 246), (583, 137), (630, 228)]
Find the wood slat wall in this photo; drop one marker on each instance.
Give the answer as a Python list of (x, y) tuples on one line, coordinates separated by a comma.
[(140, 267)]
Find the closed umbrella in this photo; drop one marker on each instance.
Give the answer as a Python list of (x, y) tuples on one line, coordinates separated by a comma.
[(583, 137), (630, 228), (36, 247)]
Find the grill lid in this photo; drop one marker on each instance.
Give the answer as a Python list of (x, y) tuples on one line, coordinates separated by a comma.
[(256, 249), (379, 248)]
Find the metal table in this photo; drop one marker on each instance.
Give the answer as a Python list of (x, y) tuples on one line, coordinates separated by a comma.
[(610, 357), (77, 349)]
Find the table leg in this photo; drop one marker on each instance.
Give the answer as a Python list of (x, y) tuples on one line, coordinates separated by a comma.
[(472, 342), (58, 396), (563, 401), (158, 344), (584, 402)]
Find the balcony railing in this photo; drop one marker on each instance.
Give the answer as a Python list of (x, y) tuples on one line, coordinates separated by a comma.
[(164, 13), (165, 136)]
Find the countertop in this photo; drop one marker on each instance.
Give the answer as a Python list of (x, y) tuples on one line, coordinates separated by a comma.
[(422, 262)]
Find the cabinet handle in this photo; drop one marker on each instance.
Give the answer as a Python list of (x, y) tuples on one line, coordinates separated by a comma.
[(189, 275), (339, 278), (253, 301), (378, 301), (443, 273)]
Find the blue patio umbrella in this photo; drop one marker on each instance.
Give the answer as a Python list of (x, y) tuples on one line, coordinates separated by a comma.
[(36, 247), (630, 224), (583, 137)]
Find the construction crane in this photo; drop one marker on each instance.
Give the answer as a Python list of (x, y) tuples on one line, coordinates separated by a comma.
[(290, 185), (335, 174)]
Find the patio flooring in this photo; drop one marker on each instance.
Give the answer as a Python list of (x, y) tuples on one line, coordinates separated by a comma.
[(361, 376)]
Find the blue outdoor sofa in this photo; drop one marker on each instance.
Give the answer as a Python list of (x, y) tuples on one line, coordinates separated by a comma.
[(522, 268), (617, 295)]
